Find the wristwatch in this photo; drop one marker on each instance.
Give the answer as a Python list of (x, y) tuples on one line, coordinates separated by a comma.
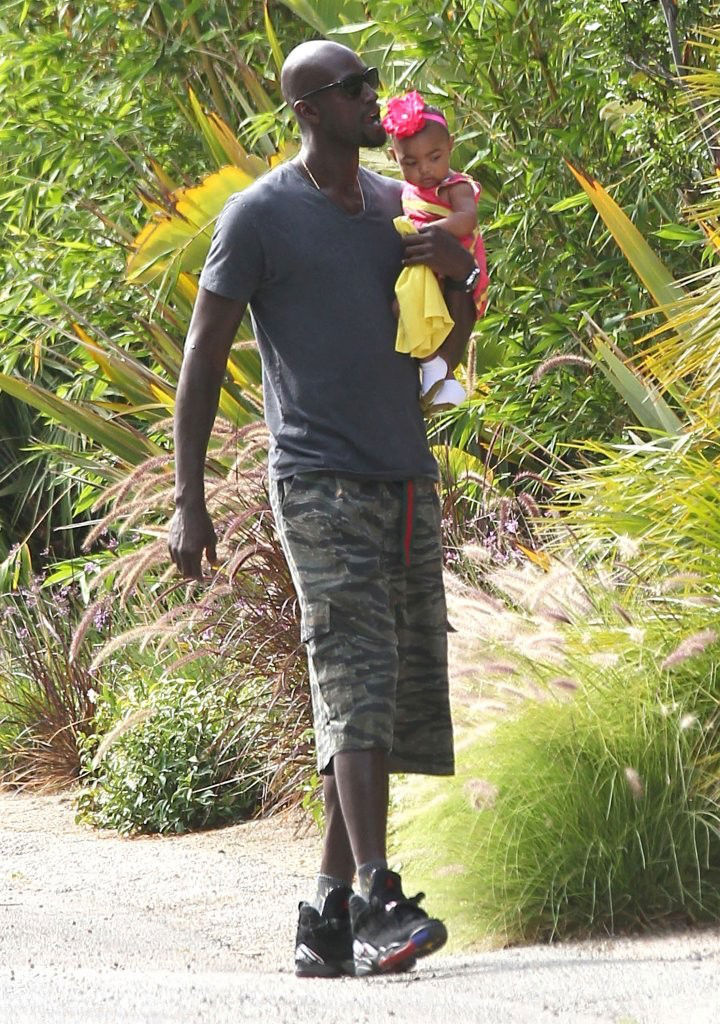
[(467, 284)]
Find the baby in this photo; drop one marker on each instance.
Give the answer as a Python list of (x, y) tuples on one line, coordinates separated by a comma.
[(434, 194)]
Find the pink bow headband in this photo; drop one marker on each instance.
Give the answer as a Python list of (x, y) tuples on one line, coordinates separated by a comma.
[(408, 115)]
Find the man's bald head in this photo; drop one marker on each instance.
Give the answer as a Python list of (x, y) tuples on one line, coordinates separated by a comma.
[(314, 64)]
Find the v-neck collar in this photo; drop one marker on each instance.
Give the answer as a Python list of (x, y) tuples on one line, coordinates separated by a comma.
[(318, 192)]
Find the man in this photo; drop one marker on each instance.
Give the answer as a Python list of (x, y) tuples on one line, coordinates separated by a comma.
[(312, 249)]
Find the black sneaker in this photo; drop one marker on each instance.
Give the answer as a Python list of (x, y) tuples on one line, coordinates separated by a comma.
[(389, 930), (323, 947)]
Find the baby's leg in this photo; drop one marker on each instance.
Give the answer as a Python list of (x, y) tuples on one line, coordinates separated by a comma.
[(439, 386), (433, 369)]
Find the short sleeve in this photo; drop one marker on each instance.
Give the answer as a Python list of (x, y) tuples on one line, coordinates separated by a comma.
[(235, 263)]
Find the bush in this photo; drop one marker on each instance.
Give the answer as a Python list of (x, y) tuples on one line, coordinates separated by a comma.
[(593, 809), (177, 757)]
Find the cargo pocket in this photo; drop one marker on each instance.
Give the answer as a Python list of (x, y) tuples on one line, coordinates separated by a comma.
[(315, 620)]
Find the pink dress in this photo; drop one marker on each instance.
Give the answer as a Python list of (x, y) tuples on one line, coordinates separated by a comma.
[(424, 206)]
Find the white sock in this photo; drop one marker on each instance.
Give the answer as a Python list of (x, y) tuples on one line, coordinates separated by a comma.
[(325, 884), (365, 875), (450, 392), (433, 370)]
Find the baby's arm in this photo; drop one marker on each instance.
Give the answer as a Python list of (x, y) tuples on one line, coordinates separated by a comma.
[(462, 221)]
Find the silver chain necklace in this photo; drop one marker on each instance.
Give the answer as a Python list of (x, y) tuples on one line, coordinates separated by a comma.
[(312, 179)]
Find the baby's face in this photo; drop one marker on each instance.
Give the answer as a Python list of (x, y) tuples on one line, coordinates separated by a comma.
[(424, 158)]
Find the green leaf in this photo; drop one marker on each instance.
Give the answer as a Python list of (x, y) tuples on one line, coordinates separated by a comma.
[(181, 240), (647, 404), (571, 203), (277, 53), (679, 233)]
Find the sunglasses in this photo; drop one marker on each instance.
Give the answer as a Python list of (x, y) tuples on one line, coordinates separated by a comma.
[(352, 85)]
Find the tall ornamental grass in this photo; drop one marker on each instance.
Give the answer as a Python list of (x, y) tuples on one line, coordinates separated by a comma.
[(592, 806), (46, 695)]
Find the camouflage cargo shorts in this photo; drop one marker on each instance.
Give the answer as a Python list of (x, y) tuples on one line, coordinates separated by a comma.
[(366, 560)]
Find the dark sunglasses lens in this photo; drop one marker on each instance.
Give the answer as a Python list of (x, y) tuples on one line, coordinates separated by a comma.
[(353, 84)]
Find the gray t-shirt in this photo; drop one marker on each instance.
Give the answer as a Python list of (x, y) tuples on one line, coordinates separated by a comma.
[(320, 285)]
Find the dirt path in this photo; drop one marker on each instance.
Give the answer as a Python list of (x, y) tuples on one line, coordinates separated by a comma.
[(198, 929), (224, 899)]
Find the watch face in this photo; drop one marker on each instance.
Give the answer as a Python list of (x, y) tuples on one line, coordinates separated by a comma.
[(471, 279)]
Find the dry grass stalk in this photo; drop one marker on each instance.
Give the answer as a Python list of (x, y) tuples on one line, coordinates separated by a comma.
[(136, 565), (689, 647), (87, 620), (564, 683), (678, 581), (624, 615), (529, 506), (634, 782), (481, 794), (117, 494), (498, 668), (555, 362), (527, 474), (127, 723)]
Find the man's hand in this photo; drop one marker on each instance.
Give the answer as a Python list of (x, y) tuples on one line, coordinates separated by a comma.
[(439, 250), (190, 533)]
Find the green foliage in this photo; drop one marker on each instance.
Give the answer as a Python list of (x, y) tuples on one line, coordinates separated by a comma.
[(593, 807), (599, 811), (172, 639), (70, 201), (526, 86), (177, 755), (93, 102), (629, 48)]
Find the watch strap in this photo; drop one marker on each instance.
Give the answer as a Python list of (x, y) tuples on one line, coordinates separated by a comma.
[(467, 284)]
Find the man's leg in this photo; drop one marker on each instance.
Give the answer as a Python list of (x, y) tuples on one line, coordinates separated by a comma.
[(337, 856), (356, 807), (323, 946)]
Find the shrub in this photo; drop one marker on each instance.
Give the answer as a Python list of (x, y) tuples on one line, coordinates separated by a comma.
[(177, 755), (241, 621)]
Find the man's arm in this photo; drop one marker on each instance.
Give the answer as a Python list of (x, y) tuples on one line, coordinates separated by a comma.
[(214, 322), (444, 254)]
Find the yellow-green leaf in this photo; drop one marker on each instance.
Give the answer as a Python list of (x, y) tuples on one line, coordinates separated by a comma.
[(128, 444), (180, 240), (277, 53), (652, 272)]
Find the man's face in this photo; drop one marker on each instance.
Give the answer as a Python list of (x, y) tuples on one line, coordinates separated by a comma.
[(424, 158), (353, 120)]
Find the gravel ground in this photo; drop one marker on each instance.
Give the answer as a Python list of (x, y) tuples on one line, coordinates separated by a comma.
[(96, 929)]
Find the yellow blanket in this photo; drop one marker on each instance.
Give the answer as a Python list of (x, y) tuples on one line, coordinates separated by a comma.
[(424, 322)]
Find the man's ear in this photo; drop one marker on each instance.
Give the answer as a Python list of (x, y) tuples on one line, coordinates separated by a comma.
[(305, 111)]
